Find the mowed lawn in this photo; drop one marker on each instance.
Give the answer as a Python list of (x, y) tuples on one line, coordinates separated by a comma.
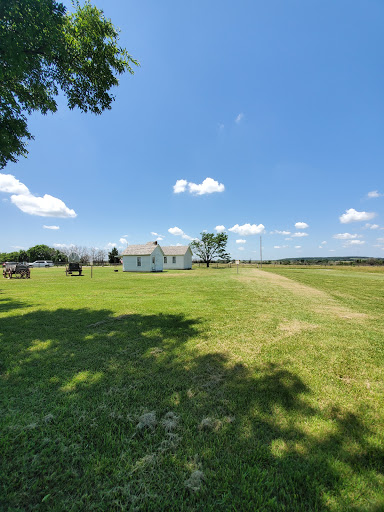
[(193, 390)]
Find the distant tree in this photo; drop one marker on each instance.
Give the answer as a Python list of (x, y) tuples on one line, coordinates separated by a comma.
[(44, 49), (59, 256), (113, 256), (210, 246), (41, 252), (23, 256), (92, 254), (84, 254), (100, 256), (10, 256)]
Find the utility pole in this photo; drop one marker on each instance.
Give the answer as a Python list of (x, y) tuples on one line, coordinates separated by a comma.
[(261, 254)]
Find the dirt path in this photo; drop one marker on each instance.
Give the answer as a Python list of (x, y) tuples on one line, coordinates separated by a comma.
[(319, 301)]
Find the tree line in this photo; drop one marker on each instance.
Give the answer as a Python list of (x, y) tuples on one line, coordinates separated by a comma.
[(60, 256)]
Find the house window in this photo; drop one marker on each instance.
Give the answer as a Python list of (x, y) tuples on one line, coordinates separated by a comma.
[(139, 261), (173, 259), (165, 259), (153, 259)]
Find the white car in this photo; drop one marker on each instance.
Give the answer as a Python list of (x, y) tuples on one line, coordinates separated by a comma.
[(41, 263)]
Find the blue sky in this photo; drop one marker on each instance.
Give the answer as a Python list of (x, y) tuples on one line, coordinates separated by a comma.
[(279, 103)]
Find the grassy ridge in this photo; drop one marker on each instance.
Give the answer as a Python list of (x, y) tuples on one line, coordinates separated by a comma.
[(200, 390)]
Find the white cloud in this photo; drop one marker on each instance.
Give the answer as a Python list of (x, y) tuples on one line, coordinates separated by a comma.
[(374, 193), (353, 242), (51, 227), (301, 225), (159, 237), (220, 229), (371, 226), (346, 236), (208, 186), (380, 239), (331, 250), (297, 246), (241, 241), (63, 246), (239, 118), (176, 231), (110, 245), (179, 232), (247, 229), (280, 246), (241, 248), (46, 206), (299, 235), (11, 185), (123, 241), (277, 232), (352, 215), (180, 186), (17, 247), (323, 242), (288, 238)]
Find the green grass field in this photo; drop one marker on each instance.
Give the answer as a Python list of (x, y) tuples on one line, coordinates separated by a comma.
[(197, 390)]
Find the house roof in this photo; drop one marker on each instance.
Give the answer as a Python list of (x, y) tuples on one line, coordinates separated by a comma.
[(175, 250), (141, 250)]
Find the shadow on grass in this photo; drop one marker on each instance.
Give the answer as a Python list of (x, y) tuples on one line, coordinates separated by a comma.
[(7, 304), (76, 384)]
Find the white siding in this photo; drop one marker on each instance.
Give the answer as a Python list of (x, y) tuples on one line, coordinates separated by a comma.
[(182, 262), (188, 259), (158, 255), (130, 262)]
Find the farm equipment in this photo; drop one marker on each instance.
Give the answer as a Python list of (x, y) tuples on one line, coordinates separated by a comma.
[(73, 267), (73, 264), (13, 269)]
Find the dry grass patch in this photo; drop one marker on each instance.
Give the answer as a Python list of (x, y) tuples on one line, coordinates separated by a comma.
[(342, 312), (317, 300), (291, 327)]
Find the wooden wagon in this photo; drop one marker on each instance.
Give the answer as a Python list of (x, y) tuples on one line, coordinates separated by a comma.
[(73, 267), (11, 269)]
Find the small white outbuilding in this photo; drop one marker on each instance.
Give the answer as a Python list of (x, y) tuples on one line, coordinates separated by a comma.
[(147, 257), (178, 257)]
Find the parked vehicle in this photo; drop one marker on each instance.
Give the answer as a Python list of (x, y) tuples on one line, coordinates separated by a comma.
[(41, 263)]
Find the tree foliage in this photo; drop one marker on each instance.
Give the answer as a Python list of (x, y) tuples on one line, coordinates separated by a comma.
[(211, 246), (44, 49), (113, 256), (44, 252), (38, 252)]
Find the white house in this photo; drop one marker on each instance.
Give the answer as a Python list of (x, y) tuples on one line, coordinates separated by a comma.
[(148, 257), (177, 257)]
